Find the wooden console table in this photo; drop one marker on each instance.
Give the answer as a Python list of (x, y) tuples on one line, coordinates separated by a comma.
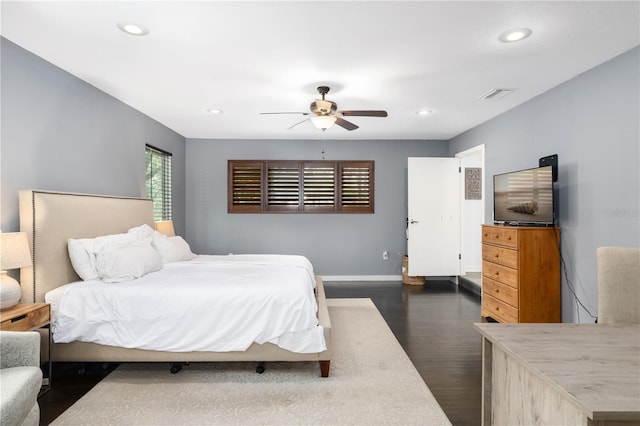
[(560, 374)]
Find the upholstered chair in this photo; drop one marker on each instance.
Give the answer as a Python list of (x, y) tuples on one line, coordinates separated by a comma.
[(618, 285), (20, 378)]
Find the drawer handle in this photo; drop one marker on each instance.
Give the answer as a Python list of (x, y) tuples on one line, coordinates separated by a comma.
[(496, 255), (18, 318), (497, 290)]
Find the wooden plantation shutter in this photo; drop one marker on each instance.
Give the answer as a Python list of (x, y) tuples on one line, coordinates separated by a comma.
[(319, 186), (283, 186), (356, 186), (245, 187), (268, 186)]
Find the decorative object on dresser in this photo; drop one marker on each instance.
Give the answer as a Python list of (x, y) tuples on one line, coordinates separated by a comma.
[(14, 254), (521, 273)]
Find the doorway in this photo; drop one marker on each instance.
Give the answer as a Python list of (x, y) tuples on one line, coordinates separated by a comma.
[(472, 215)]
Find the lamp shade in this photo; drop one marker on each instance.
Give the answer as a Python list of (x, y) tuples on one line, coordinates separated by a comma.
[(14, 250), (165, 227), (323, 122)]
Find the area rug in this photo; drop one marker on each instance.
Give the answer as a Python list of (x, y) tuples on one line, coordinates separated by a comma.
[(371, 382)]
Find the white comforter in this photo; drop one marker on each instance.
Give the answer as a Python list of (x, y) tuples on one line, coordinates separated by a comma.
[(211, 303)]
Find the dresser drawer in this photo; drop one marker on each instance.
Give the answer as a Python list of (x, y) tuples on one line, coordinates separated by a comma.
[(498, 310), (500, 291), (503, 256), (507, 237), (27, 317), (500, 273)]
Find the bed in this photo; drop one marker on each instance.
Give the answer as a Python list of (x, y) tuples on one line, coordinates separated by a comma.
[(50, 219)]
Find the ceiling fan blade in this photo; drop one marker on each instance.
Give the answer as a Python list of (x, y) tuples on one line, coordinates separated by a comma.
[(300, 122), (345, 124), (361, 113), (292, 112)]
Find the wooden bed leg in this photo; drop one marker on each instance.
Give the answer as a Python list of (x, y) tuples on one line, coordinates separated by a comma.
[(324, 368)]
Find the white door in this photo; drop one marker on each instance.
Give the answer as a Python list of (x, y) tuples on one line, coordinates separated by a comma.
[(435, 226)]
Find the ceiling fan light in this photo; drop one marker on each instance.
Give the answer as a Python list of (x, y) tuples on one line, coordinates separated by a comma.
[(323, 122)]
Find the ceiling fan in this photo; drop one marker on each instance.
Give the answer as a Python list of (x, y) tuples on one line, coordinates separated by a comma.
[(324, 113)]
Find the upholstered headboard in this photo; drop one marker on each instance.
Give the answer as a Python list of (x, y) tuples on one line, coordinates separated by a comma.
[(51, 218)]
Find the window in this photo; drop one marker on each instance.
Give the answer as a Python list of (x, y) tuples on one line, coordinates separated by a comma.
[(158, 181), (256, 186)]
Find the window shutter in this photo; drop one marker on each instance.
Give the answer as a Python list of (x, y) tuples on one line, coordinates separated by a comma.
[(245, 187), (283, 186), (356, 186), (266, 186), (319, 187)]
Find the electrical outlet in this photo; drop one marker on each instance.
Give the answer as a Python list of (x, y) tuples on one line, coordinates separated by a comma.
[(385, 255)]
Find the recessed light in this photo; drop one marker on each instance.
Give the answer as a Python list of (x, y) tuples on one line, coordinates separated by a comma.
[(214, 111), (516, 34), (424, 112), (133, 29)]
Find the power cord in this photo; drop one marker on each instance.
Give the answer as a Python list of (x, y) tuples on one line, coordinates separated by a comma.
[(570, 284)]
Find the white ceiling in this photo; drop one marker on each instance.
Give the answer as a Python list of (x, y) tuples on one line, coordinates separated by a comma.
[(252, 57)]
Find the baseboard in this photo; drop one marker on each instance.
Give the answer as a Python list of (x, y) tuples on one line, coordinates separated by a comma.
[(470, 285), (328, 278)]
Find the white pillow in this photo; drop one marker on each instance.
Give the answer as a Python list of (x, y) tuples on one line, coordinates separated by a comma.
[(142, 231), (172, 249), (124, 263), (82, 252), (80, 259)]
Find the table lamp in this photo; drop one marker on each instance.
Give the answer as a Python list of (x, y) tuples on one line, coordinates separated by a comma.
[(14, 254), (166, 227)]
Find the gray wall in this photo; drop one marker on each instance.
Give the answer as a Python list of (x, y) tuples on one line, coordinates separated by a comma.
[(60, 133), (593, 123), (336, 244)]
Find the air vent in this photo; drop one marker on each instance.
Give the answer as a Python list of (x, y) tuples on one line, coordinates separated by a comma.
[(497, 93)]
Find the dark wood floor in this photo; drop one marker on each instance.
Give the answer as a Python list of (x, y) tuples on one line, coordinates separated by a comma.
[(433, 323)]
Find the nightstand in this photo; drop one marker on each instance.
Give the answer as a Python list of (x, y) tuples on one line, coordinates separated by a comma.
[(28, 317)]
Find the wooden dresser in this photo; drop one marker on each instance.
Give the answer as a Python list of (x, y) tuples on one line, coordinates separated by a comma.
[(520, 274)]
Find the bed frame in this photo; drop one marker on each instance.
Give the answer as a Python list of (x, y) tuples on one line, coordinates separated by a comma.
[(51, 218)]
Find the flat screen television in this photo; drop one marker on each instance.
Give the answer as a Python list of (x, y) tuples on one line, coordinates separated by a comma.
[(524, 197)]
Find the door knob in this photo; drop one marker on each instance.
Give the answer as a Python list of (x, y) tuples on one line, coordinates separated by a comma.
[(413, 221)]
